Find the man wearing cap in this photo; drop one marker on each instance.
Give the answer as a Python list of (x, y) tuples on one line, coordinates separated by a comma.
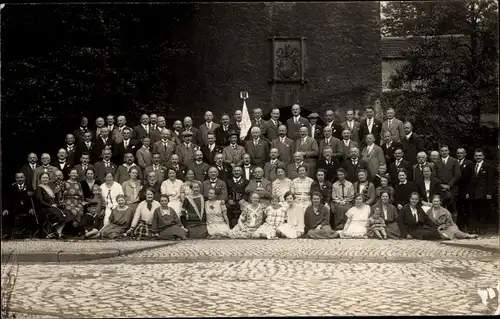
[(296, 122), (233, 153), (186, 150), (315, 130)]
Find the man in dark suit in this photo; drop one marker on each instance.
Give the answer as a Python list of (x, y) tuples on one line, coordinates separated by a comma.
[(208, 128), (127, 145), (104, 142), (315, 130), (236, 195), (273, 125), (257, 148), (222, 132), (29, 168), (87, 146), (370, 125), (143, 129), (179, 168), (213, 182), (110, 122), (480, 192), (353, 165), (102, 168), (466, 171), (211, 149), (224, 170), (62, 164), (70, 148), (159, 170), (247, 167), (448, 172), (78, 133), (329, 163), (199, 167), (236, 122), (389, 147), (165, 147), (284, 145), (160, 126), (81, 168), (330, 122), (257, 121), (18, 211), (291, 169), (274, 162), (412, 144), (296, 122), (352, 125), (309, 147), (331, 142), (418, 168), (399, 162), (99, 122), (188, 127)]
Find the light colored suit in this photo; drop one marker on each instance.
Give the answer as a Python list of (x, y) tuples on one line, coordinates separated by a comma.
[(311, 150), (396, 128), (373, 158), (285, 149), (186, 153), (272, 130), (270, 170), (144, 157), (233, 155), (203, 133), (354, 131), (165, 153)]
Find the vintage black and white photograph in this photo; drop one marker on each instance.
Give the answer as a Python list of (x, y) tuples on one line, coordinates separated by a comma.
[(249, 159)]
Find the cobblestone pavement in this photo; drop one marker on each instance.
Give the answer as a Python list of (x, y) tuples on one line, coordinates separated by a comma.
[(442, 281)]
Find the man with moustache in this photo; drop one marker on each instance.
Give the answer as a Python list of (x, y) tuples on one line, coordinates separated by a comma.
[(353, 164), (291, 169), (176, 133), (210, 149), (81, 168), (104, 141), (156, 134), (122, 172), (352, 125), (102, 168), (273, 125), (233, 153), (224, 171), (222, 132), (70, 148), (142, 130), (179, 168), (257, 148), (188, 127), (29, 168), (329, 141), (284, 145), (309, 147), (270, 167), (99, 123), (247, 167), (186, 150), (347, 143), (207, 128), (62, 163), (199, 168), (296, 122), (330, 122), (412, 143), (78, 133), (87, 146), (389, 147), (213, 182), (157, 168), (127, 145), (165, 147), (329, 163), (237, 196), (419, 167), (400, 162), (117, 134), (257, 121)]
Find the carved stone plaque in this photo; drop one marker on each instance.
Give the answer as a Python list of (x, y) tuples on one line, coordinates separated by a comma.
[(288, 60)]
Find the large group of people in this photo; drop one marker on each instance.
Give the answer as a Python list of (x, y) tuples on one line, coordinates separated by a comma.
[(355, 179)]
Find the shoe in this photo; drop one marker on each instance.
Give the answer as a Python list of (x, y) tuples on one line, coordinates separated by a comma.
[(51, 236)]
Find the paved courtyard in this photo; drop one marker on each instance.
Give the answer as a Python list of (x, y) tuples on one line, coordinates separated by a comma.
[(268, 278)]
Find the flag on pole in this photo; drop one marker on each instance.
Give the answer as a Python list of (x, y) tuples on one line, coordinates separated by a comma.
[(246, 123)]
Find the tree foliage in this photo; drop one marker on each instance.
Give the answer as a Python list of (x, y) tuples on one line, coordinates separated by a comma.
[(453, 69)]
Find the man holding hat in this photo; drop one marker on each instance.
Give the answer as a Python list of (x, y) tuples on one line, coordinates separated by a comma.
[(186, 150), (315, 130)]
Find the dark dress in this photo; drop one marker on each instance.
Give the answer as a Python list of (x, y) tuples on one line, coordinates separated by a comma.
[(54, 214), (119, 223), (424, 229), (325, 190), (87, 191), (194, 218), (167, 225), (391, 222), (156, 187), (402, 193)]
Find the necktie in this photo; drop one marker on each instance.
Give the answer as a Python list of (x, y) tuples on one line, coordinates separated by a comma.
[(258, 183), (239, 124), (233, 146), (343, 194), (126, 144), (398, 162), (146, 129), (106, 164), (350, 126), (369, 122), (327, 162), (390, 123), (283, 140), (346, 143), (33, 166), (165, 144), (296, 120), (84, 168), (220, 168), (444, 161), (88, 145), (416, 216), (477, 168), (355, 162), (327, 141), (20, 187)]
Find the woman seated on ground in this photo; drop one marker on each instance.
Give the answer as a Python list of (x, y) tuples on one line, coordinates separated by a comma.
[(384, 187), (190, 179), (119, 221), (217, 221), (443, 219), (294, 225), (251, 218), (365, 188), (390, 215), (281, 185), (416, 223), (166, 224), (193, 215), (356, 225), (132, 187), (275, 216), (317, 220), (324, 187), (55, 215), (143, 217)]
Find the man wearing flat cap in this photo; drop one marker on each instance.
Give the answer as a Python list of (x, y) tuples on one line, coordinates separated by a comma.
[(315, 130), (187, 149)]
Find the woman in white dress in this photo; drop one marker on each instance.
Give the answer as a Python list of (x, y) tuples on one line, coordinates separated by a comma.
[(294, 224), (109, 190), (186, 186), (281, 185), (357, 219), (172, 187), (217, 221), (301, 187)]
